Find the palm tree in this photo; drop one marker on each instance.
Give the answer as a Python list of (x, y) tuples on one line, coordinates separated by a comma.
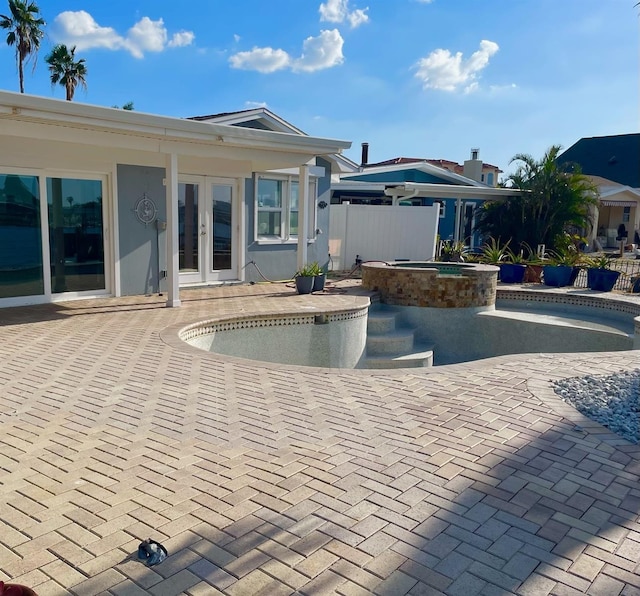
[(24, 25), (556, 197), (66, 70)]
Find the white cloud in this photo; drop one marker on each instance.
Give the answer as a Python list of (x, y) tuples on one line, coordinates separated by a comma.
[(337, 11), (236, 37), (424, 1), (318, 53), (449, 72), (79, 28), (146, 35), (181, 39), (358, 17), (265, 60), (255, 104)]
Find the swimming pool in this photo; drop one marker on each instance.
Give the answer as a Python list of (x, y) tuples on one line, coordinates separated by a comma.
[(519, 322)]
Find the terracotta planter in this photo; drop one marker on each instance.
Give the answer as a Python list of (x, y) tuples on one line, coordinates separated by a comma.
[(533, 274)]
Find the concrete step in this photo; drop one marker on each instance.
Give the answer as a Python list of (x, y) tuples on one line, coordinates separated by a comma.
[(381, 321), (396, 342), (419, 359)]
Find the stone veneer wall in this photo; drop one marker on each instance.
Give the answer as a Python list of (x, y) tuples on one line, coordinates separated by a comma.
[(427, 286)]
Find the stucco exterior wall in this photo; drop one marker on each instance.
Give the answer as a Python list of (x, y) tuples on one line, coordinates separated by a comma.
[(140, 259)]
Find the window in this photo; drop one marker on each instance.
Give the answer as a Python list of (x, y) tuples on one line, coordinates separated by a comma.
[(490, 178), (277, 207), (625, 214)]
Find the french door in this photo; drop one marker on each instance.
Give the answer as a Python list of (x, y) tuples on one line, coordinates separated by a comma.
[(208, 225)]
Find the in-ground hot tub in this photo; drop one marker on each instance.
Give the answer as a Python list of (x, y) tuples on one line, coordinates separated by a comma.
[(430, 284)]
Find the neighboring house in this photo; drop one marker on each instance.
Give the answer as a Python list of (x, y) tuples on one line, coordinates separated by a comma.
[(473, 168), (98, 201), (615, 157), (618, 205), (613, 164), (410, 181)]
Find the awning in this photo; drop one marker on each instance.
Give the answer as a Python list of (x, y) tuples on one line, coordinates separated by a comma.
[(619, 203)]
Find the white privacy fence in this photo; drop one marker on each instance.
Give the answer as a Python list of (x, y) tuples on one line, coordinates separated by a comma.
[(381, 232)]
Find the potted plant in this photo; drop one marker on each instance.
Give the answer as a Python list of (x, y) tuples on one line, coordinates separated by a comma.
[(513, 269), (493, 253), (452, 252), (305, 278), (600, 276), (319, 277), (559, 270)]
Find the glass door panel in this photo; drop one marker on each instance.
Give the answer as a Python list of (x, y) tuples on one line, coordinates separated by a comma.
[(76, 234), (189, 236), (222, 226), (21, 263)]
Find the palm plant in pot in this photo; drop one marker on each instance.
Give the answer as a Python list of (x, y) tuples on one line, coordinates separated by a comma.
[(305, 278), (494, 253), (453, 252), (310, 278), (600, 276)]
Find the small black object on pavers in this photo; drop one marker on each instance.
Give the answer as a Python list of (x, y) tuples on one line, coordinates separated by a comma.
[(152, 552)]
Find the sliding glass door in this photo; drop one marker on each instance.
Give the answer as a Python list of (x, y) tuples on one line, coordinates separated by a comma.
[(21, 258), (76, 235)]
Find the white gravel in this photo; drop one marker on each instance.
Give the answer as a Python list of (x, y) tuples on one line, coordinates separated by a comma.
[(610, 400)]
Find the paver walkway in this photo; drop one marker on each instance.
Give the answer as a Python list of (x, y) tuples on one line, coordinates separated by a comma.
[(461, 480)]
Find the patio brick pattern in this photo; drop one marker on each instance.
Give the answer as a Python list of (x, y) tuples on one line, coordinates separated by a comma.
[(266, 479)]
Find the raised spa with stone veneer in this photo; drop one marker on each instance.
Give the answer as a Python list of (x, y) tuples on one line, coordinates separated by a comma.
[(435, 285)]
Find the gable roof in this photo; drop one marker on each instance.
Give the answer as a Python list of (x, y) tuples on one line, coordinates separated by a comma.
[(265, 119), (399, 173), (615, 157), (256, 117)]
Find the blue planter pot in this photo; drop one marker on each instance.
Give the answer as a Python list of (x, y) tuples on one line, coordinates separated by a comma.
[(557, 275), (512, 273), (304, 285), (602, 280), (318, 282)]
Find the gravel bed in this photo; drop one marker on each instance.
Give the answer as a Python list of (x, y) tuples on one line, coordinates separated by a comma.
[(611, 400)]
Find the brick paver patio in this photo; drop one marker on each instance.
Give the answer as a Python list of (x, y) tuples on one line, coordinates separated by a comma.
[(460, 480)]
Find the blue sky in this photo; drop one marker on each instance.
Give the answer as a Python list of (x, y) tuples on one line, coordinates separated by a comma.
[(414, 78)]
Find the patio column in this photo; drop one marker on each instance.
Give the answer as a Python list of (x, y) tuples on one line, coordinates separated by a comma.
[(173, 264), (303, 219), (456, 231)]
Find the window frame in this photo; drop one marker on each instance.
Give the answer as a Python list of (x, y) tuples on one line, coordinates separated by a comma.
[(285, 209)]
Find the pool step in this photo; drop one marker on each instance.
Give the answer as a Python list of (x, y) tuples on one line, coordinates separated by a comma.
[(411, 360), (392, 342), (390, 347)]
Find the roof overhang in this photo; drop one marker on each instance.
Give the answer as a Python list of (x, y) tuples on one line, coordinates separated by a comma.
[(449, 191), (43, 118)]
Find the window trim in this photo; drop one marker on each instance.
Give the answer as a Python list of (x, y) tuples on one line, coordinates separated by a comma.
[(285, 237)]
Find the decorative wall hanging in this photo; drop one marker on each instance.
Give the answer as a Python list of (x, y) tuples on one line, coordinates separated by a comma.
[(322, 204), (145, 209)]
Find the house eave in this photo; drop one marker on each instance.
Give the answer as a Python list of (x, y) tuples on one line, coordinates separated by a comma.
[(29, 108)]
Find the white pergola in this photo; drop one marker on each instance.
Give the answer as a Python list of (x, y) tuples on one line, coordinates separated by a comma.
[(410, 190)]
